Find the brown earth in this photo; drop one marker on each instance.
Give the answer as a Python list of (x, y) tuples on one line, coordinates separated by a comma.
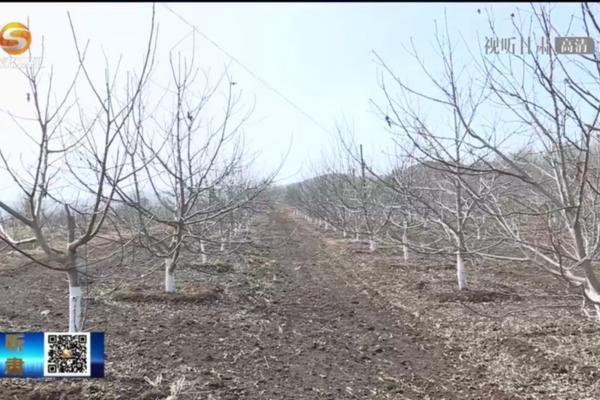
[(312, 316)]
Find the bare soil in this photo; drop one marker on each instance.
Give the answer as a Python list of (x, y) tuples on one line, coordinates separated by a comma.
[(312, 316)]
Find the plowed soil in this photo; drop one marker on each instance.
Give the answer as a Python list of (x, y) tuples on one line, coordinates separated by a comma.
[(310, 315)]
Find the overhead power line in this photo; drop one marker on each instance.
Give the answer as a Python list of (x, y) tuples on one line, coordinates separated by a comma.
[(248, 70)]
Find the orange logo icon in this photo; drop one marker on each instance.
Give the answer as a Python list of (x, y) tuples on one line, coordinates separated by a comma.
[(15, 38)]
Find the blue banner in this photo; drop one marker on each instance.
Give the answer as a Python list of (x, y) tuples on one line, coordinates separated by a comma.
[(52, 354)]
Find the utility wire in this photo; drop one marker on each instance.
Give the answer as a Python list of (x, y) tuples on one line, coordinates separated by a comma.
[(258, 78)]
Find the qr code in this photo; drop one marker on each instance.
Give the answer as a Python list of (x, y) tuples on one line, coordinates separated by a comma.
[(66, 354)]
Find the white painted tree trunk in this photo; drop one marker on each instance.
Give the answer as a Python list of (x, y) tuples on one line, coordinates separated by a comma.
[(372, 245), (344, 233), (202, 249), (591, 285), (404, 244), (222, 245), (460, 271), (75, 309), (75, 295), (356, 237), (169, 277)]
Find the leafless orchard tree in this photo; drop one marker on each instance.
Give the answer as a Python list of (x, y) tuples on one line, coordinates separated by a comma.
[(76, 145), (437, 180), (345, 196), (534, 157), (187, 168), (555, 99), (233, 228), (317, 199), (367, 200)]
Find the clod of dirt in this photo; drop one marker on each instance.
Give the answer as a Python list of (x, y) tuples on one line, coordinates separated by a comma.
[(217, 267), (54, 394), (420, 285), (200, 294), (153, 394)]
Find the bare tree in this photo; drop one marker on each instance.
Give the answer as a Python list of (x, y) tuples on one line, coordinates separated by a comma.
[(188, 166), (446, 192), (345, 195), (560, 170), (540, 193), (83, 151)]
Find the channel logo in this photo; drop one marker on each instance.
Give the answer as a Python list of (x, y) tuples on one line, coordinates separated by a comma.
[(15, 38)]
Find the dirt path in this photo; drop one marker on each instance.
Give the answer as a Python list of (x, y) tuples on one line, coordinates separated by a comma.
[(338, 343)]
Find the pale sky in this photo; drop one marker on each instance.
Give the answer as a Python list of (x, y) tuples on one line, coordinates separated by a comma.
[(317, 55)]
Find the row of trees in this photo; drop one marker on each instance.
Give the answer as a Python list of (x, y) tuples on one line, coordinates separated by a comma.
[(169, 177), (508, 169)]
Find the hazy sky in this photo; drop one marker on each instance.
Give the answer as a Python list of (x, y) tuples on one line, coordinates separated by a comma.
[(317, 55)]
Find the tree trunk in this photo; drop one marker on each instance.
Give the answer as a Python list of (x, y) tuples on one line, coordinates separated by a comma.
[(202, 249), (75, 298), (592, 283), (169, 276), (460, 270), (592, 286), (372, 244), (404, 244)]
